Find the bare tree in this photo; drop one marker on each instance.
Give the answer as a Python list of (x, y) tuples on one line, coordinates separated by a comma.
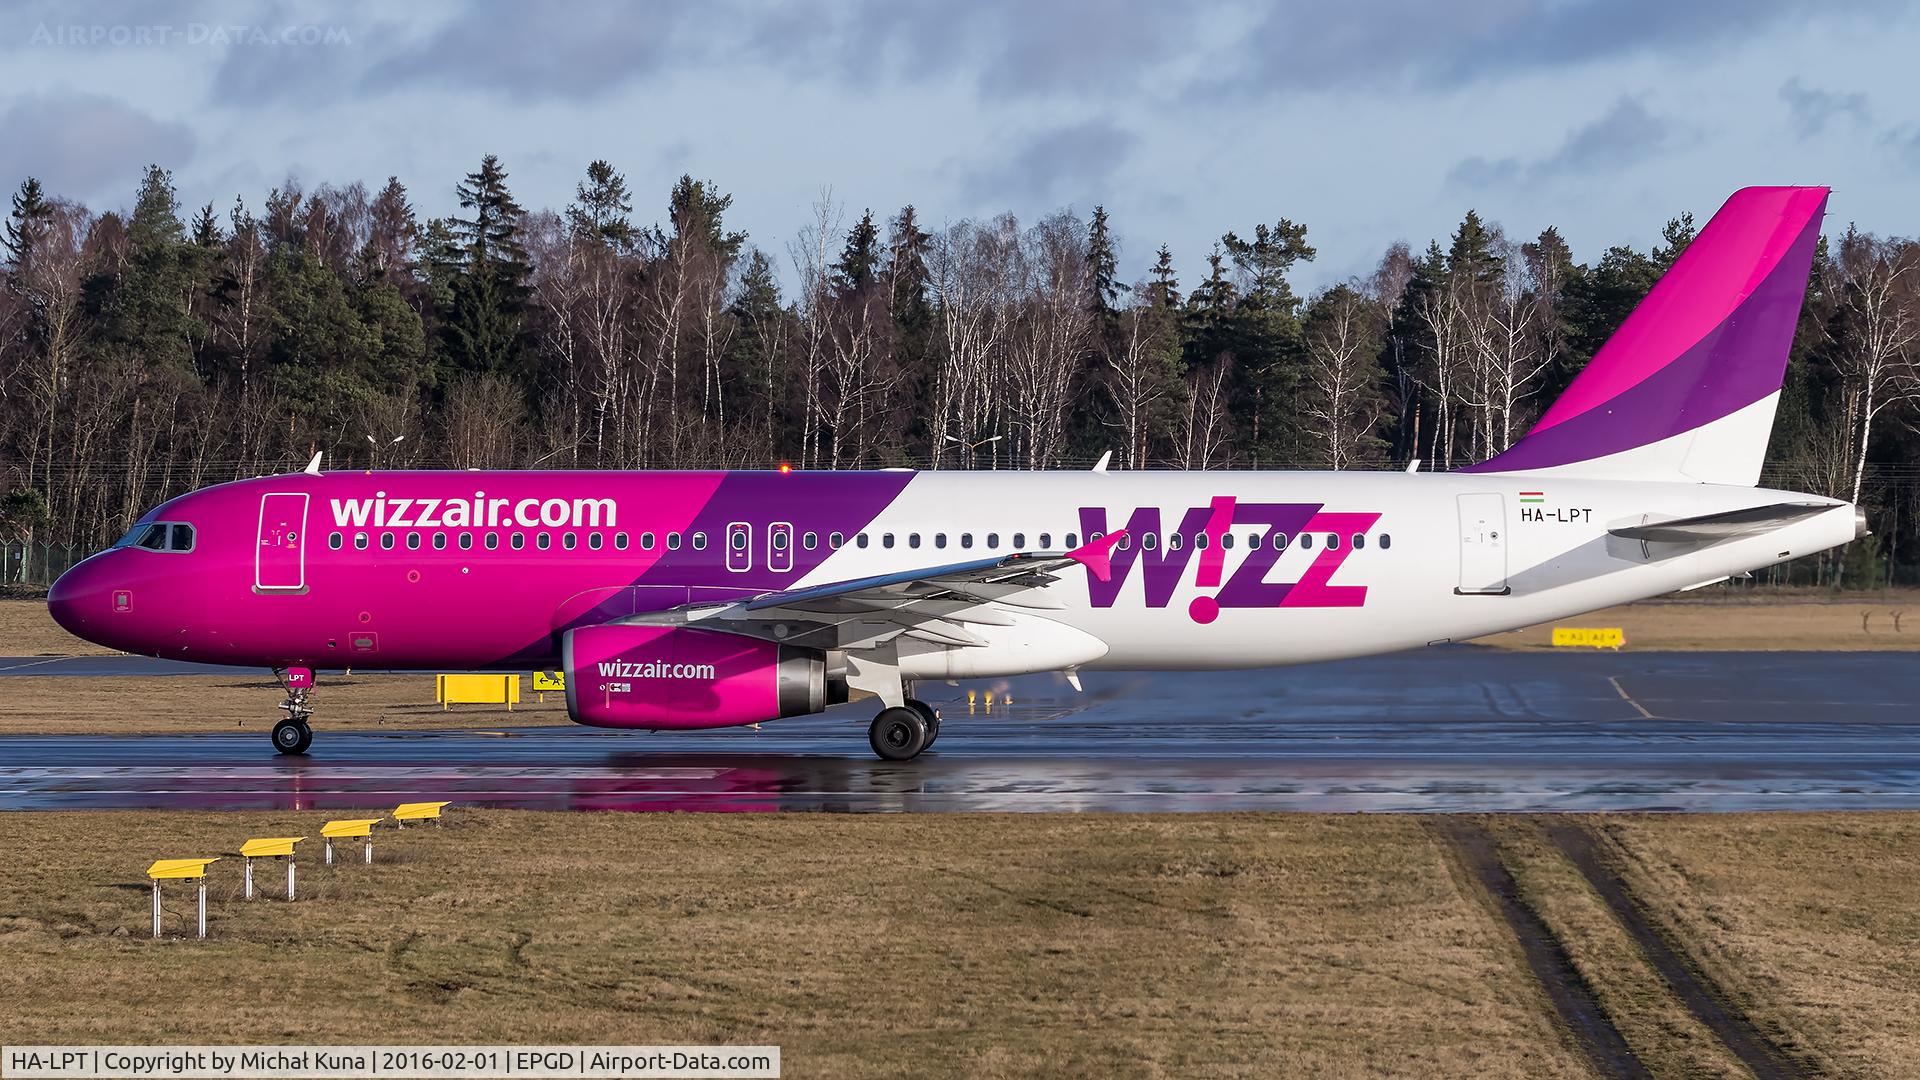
[(1879, 283), (1343, 346)]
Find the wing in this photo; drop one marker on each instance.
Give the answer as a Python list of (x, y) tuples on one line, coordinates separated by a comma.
[(940, 604), (1711, 528)]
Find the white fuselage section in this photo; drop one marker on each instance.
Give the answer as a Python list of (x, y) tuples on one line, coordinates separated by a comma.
[(1441, 557)]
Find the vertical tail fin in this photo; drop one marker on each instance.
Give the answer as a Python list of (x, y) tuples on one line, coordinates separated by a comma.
[(1685, 390)]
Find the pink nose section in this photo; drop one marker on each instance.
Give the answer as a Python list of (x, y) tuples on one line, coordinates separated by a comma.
[(76, 601)]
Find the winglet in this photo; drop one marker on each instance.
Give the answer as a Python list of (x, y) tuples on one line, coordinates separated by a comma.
[(1096, 554), (1101, 465), (313, 467)]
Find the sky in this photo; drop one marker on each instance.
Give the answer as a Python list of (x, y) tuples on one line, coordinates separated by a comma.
[(1370, 121)]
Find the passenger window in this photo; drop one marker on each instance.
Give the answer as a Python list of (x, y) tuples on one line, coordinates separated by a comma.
[(466, 541), (1306, 541), (699, 541), (1020, 540), (1070, 542), (1174, 540), (966, 540), (386, 541), (835, 540), (493, 542), (1386, 541), (336, 541), (781, 539), (413, 541), (1199, 541), (182, 539), (646, 541), (569, 541), (1253, 541), (619, 541), (886, 540), (439, 541), (673, 541), (1046, 541), (517, 541), (1226, 540), (940, 540), (543, 541), (860, 540), (1333, 541), (993, 541), (913, 540), (810, 541), (1125, 543), (1280, 541), (595, 541), (359, 541), (737, 540), (1150, 541), (1359, 541)]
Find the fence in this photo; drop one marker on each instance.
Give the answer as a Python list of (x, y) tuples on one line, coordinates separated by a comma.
[(38, 563)]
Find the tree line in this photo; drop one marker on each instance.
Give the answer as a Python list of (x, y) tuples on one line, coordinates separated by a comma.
[(147, 352)]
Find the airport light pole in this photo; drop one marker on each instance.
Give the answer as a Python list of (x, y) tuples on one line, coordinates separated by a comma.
[(375, 443), (967, 448)]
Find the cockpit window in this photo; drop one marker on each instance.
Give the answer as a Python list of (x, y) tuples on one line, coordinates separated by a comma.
[(159, 536)]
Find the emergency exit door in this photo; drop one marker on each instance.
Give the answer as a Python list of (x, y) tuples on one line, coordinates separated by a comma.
[(1483, 545), (280, 548)]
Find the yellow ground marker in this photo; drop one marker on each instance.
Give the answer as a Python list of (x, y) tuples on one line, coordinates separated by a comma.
[(418, 811), (1589, 637), (269, 847), (180, 870), (347, 828)]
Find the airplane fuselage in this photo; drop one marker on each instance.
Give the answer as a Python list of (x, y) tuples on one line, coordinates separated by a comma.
[(473, 570)]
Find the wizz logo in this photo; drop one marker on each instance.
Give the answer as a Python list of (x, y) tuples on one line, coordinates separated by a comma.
[(1163, 566)]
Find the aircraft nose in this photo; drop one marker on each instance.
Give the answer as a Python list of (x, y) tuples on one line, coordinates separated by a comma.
[(78, 600)]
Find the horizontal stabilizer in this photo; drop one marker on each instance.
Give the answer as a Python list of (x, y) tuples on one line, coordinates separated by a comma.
[(1709, 528)]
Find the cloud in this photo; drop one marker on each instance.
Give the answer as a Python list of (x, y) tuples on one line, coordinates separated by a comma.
[(1812, 108), (1625, 134), (86, 146), (1045, 169), (1396, 44)]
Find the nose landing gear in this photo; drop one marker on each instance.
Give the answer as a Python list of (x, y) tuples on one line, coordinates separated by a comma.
[(293, 734)]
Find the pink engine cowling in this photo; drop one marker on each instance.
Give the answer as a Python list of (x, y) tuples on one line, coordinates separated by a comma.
[(675, 677)]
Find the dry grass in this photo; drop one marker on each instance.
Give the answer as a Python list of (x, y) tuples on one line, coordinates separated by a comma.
[(1817, 621), (1810, 921), (177, 704), (27, 630), (865, 946), (1656, 1024)]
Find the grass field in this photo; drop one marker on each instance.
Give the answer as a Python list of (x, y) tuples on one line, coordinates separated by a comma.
[(864, 946)]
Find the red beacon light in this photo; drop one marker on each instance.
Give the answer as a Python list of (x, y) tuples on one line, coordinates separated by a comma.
[(785, 468)]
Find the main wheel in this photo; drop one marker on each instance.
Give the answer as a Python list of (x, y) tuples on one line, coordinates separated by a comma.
[(292, 737), (932, 718), (898, 734)]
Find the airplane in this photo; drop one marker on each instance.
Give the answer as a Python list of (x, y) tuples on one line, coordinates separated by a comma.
[(678, 600)]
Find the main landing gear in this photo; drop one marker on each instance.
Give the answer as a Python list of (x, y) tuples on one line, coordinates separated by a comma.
[(293, 734), (902, 732)]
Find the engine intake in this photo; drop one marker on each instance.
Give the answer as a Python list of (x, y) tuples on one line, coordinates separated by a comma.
[(662, 677)]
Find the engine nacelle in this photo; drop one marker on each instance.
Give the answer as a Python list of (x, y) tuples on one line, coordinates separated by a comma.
[(675, 677)]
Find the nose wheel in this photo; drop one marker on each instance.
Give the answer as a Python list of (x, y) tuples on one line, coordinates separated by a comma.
[(292, 736)]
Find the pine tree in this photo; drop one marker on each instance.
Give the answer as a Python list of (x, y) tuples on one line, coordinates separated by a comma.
[(859, 257), (490, 286), (1103, 264), (601, 209), (1164, 285), (1674, 238), (27, 225), (1267, 259), (392, 233), (696, 208)]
